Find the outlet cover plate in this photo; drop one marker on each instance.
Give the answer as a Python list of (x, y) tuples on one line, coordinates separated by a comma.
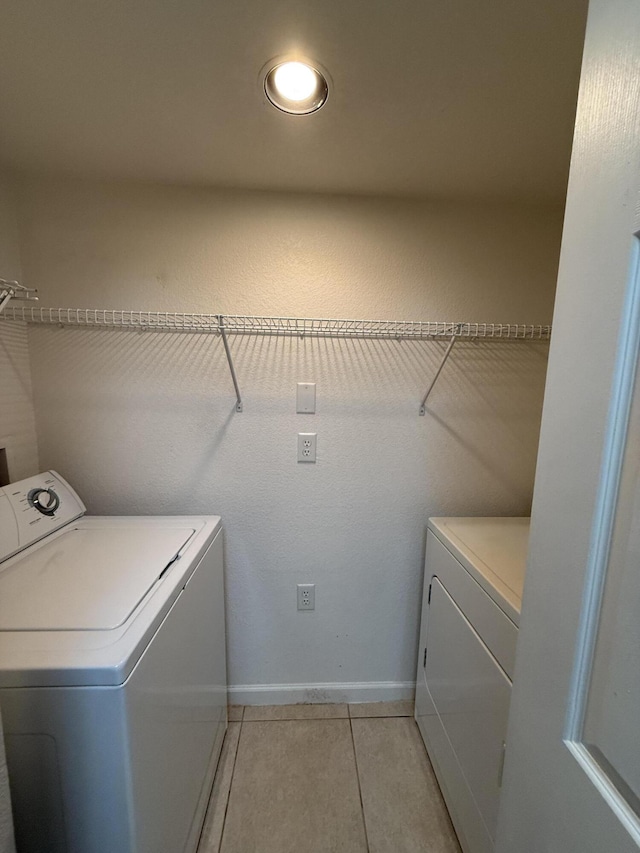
[(306, 398), (307, 446), (306, 596)]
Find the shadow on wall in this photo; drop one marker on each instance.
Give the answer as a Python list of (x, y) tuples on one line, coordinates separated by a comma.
[(161, 407), (17, 425), (14, 356)]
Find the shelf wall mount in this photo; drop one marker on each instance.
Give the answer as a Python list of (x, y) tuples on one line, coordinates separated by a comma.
[(14, 290)]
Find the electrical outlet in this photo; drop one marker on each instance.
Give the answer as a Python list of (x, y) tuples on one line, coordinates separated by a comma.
[(306, 596), (307, 446)]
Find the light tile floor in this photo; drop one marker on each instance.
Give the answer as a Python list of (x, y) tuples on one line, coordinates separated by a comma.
[(325, 779)]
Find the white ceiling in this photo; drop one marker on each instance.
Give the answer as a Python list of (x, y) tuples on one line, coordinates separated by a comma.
[(429, 97)]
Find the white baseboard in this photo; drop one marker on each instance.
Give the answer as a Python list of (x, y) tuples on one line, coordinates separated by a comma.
[(294, 694)]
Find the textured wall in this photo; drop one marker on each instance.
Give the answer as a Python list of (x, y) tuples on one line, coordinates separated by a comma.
[(17, 423), (145, 423)]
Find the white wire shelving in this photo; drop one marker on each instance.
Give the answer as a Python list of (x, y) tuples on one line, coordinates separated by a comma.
[(235, 324), (14, 290), (289, 326)]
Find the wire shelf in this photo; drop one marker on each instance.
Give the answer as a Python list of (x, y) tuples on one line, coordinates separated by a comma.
[(235, 324)]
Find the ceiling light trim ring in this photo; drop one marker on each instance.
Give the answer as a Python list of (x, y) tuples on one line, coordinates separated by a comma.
[(291, 105)]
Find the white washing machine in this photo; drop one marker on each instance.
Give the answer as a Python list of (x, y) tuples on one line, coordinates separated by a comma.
[(474, 573), (112, 672)]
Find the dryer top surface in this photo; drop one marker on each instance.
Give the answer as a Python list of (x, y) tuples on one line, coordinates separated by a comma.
[(493, 550)]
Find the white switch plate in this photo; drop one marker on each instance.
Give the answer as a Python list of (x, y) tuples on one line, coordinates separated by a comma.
[(307, 446), (306, 596), (306, 398)]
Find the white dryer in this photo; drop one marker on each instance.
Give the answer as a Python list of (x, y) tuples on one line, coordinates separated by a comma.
[(112, 672), (474, 573)]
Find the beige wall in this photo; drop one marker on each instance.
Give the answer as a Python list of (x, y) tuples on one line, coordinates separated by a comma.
[(17, 424), (145, 423)]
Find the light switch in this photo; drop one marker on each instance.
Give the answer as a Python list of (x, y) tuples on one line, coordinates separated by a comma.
[(306, 398)]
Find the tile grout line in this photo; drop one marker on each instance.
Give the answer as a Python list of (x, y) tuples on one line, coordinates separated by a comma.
[(355, 759), (233, 771), (295, 719)]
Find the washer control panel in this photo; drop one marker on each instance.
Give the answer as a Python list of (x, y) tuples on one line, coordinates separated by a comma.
[(33, 508)]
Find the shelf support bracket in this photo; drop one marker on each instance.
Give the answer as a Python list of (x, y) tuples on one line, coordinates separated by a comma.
[(223, 333), (446, 355), (4, 299), (14, 290)]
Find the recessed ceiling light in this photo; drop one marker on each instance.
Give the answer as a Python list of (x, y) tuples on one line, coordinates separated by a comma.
[(296, 87)]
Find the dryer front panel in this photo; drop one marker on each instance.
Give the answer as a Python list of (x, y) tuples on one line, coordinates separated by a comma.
[(471, 695)]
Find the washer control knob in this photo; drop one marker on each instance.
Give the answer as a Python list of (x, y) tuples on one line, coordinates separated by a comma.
[(45, 501)]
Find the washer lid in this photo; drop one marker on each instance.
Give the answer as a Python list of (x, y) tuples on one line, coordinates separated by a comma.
[(86, 579)]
